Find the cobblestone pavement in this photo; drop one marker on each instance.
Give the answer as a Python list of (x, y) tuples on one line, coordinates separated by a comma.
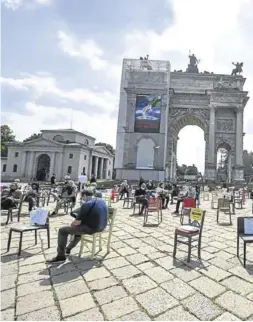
[(138, 280)]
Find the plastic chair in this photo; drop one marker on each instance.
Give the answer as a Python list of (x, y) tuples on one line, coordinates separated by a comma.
[(93, 241), (154, 205), (188, 203)]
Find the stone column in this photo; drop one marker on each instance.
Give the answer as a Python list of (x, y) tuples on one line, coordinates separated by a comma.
[(100, 170), (52, 162), (96, 166), (30, 171), (211, 143), (24, 159), (106, 161), (239, 137), (59, 175)]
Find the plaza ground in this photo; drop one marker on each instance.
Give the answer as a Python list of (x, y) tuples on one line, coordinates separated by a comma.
[(138, 280)]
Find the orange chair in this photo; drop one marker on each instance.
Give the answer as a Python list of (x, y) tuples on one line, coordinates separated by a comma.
[(188, 203), (154, 205)]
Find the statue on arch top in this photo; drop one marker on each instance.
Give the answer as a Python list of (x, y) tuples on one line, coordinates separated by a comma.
[(193, 66), (237, 69)]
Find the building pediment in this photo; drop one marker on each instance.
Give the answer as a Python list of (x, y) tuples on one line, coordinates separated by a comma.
[(42, 142), (101, 149)]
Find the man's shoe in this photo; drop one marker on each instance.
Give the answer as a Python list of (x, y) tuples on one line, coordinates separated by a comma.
[(67, 251), (57, 259), (176, 212), (52, 214)]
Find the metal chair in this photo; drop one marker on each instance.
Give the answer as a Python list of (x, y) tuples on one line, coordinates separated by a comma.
[(224, 206), (246, 238), (193, 229), (154, 205)]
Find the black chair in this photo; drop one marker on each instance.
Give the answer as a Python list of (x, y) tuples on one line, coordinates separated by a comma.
[(25, 228), (246, 238), (193, 229)]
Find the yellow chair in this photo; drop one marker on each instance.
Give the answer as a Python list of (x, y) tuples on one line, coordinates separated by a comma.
[(93, 240)]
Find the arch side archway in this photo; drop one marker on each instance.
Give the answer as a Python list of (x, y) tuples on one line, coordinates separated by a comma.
[(43, 167)]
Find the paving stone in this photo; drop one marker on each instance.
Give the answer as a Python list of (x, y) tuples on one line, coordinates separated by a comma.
[(32, 268), (8, 282), (250, 296), (31, 277), (206, 256), (221, 263), (33, 302), (10, 269), (176, 314), (115, 262), (139, 284), (125, 272), (147, 250), (158, 274), (89, 315), (179, 289), (135, 316), (110, 294), (217, 244), (215, 273), (156, 301), (62, 269), (34, 287), (227, 317), (118, 244), (136, 259), (119, 308), (102, 283), (71, 289), (145, 266), (185, 273), (66, 278), (48, 314), (7, 299), (168, 262), (238, 285), (76, 304), (95, 273), (236, 304), (7, 315), (224, 255), (32, 260), (242, 272), (211, 249), (126, 251), (202, 307), (135, 243), (156, 255), (207, 287)]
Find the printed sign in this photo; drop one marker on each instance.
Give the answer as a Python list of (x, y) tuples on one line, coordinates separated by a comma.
[(196, 214)]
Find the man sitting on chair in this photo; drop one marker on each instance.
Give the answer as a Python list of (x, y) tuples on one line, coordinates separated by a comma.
[(91, 218), (188, 193), (124, 189), (141, 197)]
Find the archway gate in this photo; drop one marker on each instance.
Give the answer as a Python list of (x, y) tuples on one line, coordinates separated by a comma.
[(157, 103)]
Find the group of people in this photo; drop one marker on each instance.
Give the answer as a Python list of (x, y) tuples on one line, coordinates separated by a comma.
[(165, 191)]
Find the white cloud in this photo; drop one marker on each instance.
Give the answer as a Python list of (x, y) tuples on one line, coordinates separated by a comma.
[(51, 117), (42, 85), (15, 4)]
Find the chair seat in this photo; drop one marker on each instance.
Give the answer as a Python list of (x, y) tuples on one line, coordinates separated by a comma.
[(188, 229), (247, 238), (23, 228)]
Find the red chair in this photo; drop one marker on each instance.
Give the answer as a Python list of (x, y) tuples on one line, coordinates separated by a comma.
[(154, 205), (188, 203)]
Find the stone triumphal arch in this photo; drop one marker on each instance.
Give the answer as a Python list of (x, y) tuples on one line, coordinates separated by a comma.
[(156, 103)]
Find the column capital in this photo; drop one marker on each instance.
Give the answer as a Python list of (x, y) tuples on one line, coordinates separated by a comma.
[(213, 106), (239, 109)]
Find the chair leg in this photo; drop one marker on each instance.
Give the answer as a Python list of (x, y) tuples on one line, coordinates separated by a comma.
[(20, 244), (199, 249), (244, 254), (81, 246), (217, 219), (175, 246), (100, 241), (238, 243), (189, 249), (8, 216), (94, 246), (9, 241), (109, 241), (35, 233), (48, 237)]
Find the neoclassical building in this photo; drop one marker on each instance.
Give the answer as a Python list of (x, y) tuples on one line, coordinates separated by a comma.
[(57, 152)]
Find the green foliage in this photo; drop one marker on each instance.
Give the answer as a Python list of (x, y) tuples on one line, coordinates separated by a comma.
[(248, 163), (33, 137), (6, 136)]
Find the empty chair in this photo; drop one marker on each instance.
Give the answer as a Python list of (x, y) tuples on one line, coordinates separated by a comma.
[(188, 203), (245, 233), (154, 205), (224, 206)]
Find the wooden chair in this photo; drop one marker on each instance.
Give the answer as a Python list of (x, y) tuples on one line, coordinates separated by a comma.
[(187, 204), (136, 203), (154, 205), (21, 229), (190, 231), (214, 200), (108, 230), (246, 238), (224, 206)]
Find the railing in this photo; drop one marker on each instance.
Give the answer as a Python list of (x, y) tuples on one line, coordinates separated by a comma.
[(146, 65)]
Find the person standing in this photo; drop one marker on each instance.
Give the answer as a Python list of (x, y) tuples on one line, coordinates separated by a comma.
[(82, 181), (93, 179), (53, 179)]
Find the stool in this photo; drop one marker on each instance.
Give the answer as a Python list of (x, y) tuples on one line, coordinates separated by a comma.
[(22, 229)]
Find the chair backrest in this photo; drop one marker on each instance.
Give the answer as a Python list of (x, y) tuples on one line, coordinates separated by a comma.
[(196, 218), (240, 224), (155, 202), (111, 217), (189, 203), (223, 203)]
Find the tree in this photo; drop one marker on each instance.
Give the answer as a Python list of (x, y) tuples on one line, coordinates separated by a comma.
[(248, 163), (109, 147), (33, 137), (6, 136), (191, 170)]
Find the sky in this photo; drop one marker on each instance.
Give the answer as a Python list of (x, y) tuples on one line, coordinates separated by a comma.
[(63, 58)]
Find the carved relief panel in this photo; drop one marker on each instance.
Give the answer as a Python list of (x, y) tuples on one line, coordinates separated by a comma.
[(225, 125)]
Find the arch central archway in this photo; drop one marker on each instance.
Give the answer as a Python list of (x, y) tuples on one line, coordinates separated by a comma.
[(176, 125), (43, 167)]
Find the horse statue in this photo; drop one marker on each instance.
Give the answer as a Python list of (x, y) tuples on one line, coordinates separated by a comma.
[(237, 69)]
